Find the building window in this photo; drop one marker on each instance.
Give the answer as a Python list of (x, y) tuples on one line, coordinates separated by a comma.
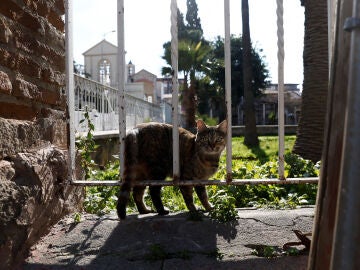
[(131, 70), (168, 86), (104, 71)]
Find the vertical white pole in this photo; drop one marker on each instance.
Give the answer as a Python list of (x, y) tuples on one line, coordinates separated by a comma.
[(228, 90), (280, 44), (175, 89), (121, 83), (102, 111), (70, 85)]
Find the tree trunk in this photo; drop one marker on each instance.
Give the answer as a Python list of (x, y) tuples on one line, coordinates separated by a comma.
[(188, 103), (251, 137), (310, 133)]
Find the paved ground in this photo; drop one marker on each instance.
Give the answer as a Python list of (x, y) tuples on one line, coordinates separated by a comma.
[(173, 242)]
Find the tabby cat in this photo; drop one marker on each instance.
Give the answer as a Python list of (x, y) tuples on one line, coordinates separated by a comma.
[(148, 156)]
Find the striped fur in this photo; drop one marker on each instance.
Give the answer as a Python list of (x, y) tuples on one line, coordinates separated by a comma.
[(148, 156)]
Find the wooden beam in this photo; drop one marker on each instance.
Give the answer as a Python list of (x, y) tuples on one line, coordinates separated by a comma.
[(327, 198)]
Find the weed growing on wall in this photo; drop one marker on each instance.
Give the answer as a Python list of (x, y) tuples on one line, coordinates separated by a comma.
[(85, 145)]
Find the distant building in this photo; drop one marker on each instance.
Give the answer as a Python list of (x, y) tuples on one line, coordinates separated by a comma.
[(149, 84), (164, 88), (266, 106), (101, 64)]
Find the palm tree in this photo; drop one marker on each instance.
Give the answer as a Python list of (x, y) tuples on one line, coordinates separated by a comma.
[(251, 137), (215, 74), (193, 50), (192, 57), (310, 133)]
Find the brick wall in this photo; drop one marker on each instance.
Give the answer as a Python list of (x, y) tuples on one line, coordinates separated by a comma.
[(34, 193), (32, 61)]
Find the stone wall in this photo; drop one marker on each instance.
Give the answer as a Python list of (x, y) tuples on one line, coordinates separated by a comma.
[(34, 193)]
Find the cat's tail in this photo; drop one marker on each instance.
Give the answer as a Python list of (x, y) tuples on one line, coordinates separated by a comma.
[(123, 198)]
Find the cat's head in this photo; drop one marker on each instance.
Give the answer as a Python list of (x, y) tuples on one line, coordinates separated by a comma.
[(211, 139)]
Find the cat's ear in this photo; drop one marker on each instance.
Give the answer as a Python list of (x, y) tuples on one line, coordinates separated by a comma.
[(222, 126), (200, 125)]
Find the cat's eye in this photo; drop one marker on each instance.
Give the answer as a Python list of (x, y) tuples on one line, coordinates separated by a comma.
[(219, 139)]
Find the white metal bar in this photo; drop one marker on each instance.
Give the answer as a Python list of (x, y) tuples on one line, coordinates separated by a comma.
[(175, 114), (227, 53), (175, 90), (69, 71), (102, 110), (281, 122), (121, 83), (235, 182), (345, 254)]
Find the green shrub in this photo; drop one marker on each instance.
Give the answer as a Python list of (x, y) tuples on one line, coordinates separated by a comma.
[(102, 199), (276, 196), (299, 167), (247, 163), (224, 207), (208, 120)]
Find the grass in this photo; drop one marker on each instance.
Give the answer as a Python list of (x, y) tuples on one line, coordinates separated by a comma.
[(267, 149)]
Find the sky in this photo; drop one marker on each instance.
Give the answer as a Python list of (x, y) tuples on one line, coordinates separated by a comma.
[(147, 28)]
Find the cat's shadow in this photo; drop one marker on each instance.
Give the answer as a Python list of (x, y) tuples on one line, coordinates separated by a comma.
[(227, 230), (139, 236)]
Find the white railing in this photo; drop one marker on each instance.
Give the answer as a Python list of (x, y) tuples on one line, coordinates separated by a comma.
[(102, 103), (101, 98)]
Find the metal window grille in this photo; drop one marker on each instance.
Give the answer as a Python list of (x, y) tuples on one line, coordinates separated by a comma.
[(175, 91)]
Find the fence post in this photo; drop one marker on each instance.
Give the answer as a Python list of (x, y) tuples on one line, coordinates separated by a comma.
[(121, 83), (280, 44), (69, 71), (228, 90), (175, 90)]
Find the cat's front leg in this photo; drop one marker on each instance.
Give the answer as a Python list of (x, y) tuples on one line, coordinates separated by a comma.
[(202, 194), (187, 193)]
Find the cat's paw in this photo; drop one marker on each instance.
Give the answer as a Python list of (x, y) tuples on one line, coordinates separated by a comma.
[(145, 211), (195, 215), (208, 207), (164, 212)]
